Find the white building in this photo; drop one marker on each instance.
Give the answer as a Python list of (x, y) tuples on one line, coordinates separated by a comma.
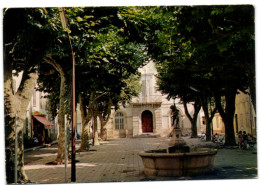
[(149, 113)]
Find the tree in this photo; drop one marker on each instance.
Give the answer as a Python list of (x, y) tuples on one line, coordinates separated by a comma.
[(106, 56), (212, 39), (179, 88), (131, 89), (59, 57), (25, 44), (86, 115), (61, 111), (227, 29), (170, 65)]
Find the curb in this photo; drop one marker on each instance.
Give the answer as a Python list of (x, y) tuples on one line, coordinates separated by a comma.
[(41, 146)]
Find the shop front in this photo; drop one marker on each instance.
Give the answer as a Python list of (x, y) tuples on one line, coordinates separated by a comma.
[(41, 127)]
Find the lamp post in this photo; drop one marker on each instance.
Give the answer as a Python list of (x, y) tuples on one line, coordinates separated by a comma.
[(73, 151), (73, 125)]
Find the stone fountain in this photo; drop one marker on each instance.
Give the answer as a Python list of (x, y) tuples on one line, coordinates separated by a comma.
[(178, 159)]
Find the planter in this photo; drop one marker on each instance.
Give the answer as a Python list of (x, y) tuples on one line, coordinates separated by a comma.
[(161, 163)]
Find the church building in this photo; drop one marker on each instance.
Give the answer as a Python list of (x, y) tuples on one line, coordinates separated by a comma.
[(149, 113)]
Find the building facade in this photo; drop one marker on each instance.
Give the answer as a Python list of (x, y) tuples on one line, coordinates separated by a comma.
[(244, 118), (245, 115), (38, 122), (149, 113)]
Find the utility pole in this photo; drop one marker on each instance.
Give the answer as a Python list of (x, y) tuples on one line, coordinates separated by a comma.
[(73, 125)]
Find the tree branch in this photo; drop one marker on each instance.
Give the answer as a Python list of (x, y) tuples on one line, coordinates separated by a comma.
[(227, 33), (218, 105), (186, 110), (212, 114), (55, 64)]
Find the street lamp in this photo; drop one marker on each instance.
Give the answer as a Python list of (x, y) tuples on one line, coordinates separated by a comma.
[(73, 151)]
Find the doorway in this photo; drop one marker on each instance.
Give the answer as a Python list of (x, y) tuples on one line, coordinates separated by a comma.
[(147, 121)]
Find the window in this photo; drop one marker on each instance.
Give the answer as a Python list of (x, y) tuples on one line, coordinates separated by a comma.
[(119, 121), (203, 120)]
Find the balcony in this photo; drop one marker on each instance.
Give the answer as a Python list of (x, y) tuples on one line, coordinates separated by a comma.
[(152, 99)]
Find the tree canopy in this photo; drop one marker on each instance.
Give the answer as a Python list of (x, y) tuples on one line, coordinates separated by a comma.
[(206, 48), (201, 52)]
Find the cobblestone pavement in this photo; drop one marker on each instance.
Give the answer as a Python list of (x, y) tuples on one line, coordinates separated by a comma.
[(117, 160)]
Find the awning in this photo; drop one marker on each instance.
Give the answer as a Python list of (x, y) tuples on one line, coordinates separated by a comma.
[(47, 124)]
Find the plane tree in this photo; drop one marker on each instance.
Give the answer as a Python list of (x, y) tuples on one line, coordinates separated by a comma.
[(214, 43), (105, 59), (175, 85), (25, 43), (222, 39), (56, 74)]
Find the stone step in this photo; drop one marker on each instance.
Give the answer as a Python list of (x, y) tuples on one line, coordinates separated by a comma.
[(147, 135)]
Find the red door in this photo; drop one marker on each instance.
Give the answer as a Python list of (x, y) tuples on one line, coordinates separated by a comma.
[(147, 121)]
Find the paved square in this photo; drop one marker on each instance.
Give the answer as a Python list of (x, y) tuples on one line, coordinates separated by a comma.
[(117, 160)]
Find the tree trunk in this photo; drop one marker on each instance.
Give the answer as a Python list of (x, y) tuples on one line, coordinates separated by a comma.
[(194, 132), (193, 120), (16, 105), (104, 118), (204, 103), (61, 113), (85, 117), (208, 126), (228, 114), (95, 133), (103, 133), (208, 116)]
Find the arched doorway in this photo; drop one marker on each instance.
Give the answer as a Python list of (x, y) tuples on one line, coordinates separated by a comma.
[(147, 121)]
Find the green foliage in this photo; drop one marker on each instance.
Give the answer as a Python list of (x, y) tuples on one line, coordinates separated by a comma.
[(209, 49), (212, 45), (25, 38), (107, 56)]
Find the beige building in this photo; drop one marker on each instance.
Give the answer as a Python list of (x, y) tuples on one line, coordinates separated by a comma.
[(245, 115), (149, 113), (244, 118)]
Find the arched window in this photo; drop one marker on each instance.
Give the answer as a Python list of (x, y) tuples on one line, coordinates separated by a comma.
[(119, 121)]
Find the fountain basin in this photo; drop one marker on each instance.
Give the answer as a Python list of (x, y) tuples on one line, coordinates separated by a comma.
[(196, 162)]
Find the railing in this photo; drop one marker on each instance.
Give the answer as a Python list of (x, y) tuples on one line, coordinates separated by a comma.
[(148, 99)]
